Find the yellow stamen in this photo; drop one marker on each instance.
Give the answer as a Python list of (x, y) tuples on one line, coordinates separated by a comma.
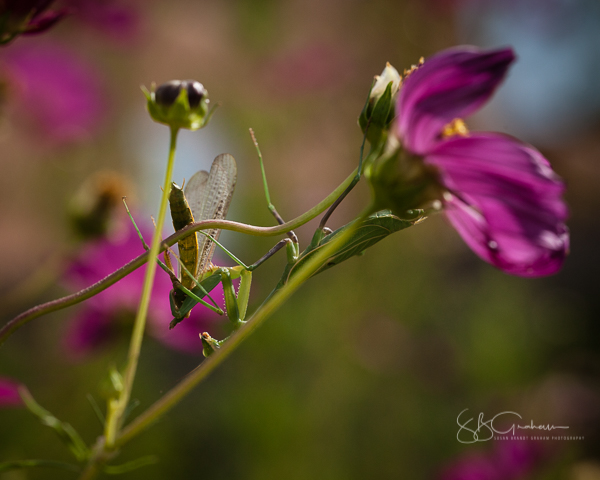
[(408, 71), (454, 128)]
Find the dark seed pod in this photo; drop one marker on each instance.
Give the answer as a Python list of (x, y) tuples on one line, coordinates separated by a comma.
[(168, 92)]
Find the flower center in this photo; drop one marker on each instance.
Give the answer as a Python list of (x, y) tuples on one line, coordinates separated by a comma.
[(420, 181)]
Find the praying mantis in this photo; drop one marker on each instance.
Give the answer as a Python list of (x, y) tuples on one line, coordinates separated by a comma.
[(207, 195)]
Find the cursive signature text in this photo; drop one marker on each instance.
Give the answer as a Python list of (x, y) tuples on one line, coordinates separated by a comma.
[(485, 430)]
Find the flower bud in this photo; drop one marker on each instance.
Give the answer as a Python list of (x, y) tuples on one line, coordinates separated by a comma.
[(94, 209), (378, 113), (389, 74), (167, 93), (179, 104)]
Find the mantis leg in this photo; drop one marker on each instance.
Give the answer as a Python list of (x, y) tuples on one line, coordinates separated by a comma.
[(168, 270), (294, 248), (244, 293), (231, 303), (285, 242), (179, 312), (236, 304)]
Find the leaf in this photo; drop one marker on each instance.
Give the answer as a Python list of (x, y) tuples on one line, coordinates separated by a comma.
[(372, 230)]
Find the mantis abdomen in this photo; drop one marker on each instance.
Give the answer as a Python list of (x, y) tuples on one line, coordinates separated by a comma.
[(188, 246)]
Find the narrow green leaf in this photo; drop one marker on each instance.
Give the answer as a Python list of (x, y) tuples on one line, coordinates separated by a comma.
[(96, 409), (67, 434), (129, 466), (18, 464)]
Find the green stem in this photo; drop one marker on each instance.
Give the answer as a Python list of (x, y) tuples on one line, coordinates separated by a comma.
[(115, 418), (177, 393), (58, 304), (90, 472)]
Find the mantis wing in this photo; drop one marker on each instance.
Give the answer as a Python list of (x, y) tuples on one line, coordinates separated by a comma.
[(209, 196)]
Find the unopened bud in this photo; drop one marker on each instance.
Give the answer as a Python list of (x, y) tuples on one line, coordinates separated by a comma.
[(377, 115), (179, 104), (389, 74), (167, 93)]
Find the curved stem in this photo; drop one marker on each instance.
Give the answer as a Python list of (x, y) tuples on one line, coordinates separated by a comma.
[(177, 393), (54, 305)]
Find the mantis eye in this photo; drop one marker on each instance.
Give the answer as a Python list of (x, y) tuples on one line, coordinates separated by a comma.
[(168, 92)]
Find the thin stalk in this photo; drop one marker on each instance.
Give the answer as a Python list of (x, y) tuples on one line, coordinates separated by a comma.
[(39, 310), (115, 418), (177, 393), (90, 472)]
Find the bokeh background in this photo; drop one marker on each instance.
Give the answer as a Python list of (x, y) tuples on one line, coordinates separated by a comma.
[(363, 372)]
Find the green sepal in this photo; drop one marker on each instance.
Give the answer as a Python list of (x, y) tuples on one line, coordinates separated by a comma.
[(400, 181), (377, 116)]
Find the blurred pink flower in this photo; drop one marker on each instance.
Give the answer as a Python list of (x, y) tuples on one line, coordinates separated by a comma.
[(116, 19), (106, 316), (509, 460), (9, 393), (60, 93), (313, 67), (500, 194)]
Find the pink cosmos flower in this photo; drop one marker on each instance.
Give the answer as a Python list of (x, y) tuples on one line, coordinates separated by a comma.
[(57, 91), (509, 460), (500, 194), (108, 315), (9, 393)]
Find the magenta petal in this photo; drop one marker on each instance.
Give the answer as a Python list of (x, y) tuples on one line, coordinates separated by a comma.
[(99, 317), (505, 202), (9, 393), (472, 467), (60, 92), (118, 19), (90, 330), (452, 84)]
